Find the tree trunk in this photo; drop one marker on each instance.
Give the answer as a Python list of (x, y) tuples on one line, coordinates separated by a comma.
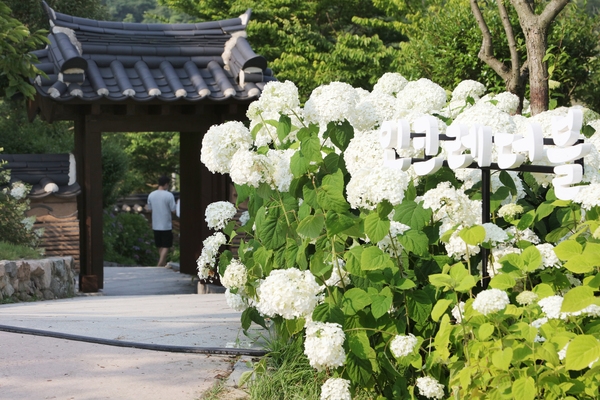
[(536, 42)]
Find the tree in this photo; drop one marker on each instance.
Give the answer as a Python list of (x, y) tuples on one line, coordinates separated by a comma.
[(314, 42), (534, 20)]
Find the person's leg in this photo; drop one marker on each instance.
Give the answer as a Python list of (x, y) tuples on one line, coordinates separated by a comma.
[(162, 252)]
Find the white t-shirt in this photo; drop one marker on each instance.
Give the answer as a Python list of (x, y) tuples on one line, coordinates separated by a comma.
[(162, 204)]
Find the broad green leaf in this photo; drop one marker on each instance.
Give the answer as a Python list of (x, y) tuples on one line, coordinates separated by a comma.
[(327, 312), (415, 241), (412, 214), (405, 284), (336, 222), (384, 209), (355, 300), (524, 389), (526, 220), (284, 127), (440, 308), (291, 253), (577, 299), (557, 234), (503, 282), (543, 210), (502, 358), (532, 259), (474, 235), (582, 350), (567, 249), (271, 227), (466, 284), (580, 264), (543, 290), (508, 181), (359, 369), (419, 306), (373, 258), (294, 325), (299, 164), (353, 261), (340, 133), (381, 303), (311, 149), (332, 161), (376, 228), (311, 226), (485, 331), (330, 195), (442, 280)]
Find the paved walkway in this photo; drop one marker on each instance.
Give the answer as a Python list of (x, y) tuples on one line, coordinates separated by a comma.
[(139, 304)]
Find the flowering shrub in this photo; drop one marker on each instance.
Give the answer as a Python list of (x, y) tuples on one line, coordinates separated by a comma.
[(128, 239), (380, 269), (15, 227)]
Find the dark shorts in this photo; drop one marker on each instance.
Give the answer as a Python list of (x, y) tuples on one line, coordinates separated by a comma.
[(163, 238)]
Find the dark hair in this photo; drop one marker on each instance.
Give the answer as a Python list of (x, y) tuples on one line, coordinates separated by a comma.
[(163, 180)]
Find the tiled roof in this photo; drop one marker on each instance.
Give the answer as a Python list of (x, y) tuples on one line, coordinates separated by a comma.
[(47, 173), (93, 60)]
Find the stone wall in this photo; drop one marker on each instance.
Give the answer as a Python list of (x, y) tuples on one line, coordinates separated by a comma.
[(25, 280)]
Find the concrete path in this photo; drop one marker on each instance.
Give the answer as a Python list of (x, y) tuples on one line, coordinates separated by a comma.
[(139, 304)]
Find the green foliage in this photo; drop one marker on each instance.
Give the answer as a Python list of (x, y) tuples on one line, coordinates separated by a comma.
[(33, 16), (116, 181), (128, 239), (9, 251)]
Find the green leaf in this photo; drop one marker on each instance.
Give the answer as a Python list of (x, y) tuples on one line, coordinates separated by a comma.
[(503, 282), (440, 309), (577, 299), (336, 222), (332, 162), (271, 227), (442, 280), (355, 300), (415, 241), (412, 214), (582, 350), (532, 259), (524, 389), (526, 220), (330, 195), (373, 258), (485, 331), (580, 264), (502, 358), (340, 134), (294, 325), (568, 249), (382, 302), (508, 181), (419, 306), (474, 235), (353, 261), (376, 228), (359, 369), (284, 127), (299, 164), (327, 312), (312, 226)]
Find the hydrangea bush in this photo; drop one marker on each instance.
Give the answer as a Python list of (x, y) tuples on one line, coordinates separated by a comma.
[(379, 269)]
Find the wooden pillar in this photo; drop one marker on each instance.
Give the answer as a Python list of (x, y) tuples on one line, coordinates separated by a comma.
[(88, 153), (198, 188)]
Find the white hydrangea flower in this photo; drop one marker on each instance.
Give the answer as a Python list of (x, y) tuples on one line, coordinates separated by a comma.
[(207, 259), (468, 88), (491, 301), (563, 352), (390, 243), (18, 190), (372, 110), (452, 206), (403, 345), (324, 345), (276, 97), (370, 186), (588, 196), (334, 102), (364, 149), (526, 235), (551, 306), (390, 83), (235, 301), (539, 322), (422, 96), (221, 142), (244, 218), (510, 211), (281, 175), (28, 222), (526, 298), (549, 258), (336, 389), (218, 214), (458, 311), (592, 310), (486, 114), (456, 247), (249, 168), (494, 234), (290, 293), (235, 275), (497, 253), (505, 101), (430, 387)]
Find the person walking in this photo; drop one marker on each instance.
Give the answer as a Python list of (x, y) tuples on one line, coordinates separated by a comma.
[(161, 203)]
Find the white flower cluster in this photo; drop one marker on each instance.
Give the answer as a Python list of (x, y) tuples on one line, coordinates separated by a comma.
[(390, 83), (324, 345), (218, 214), (276, 97), (244, 218), (588, 196), (390, 243), (221, 142), (235, 275), (490, 301), (336, 389), (370, 186), (494, 234), (510, 211), (549, 258), (452, 206), (458, 311), (505, 101), (334, 102), (420, 97), (526, 298), (208, 256), (430, 387), (235, 301), (18, 190), (290, 293), (403, 345)]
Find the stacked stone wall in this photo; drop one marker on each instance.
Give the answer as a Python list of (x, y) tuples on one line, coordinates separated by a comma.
[(45, 279)]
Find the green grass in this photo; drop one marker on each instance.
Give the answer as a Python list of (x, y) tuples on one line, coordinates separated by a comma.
[(285, 374), (16, 252)]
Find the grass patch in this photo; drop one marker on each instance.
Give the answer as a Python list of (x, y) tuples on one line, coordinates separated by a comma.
[(285, 374), (16, 252)]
